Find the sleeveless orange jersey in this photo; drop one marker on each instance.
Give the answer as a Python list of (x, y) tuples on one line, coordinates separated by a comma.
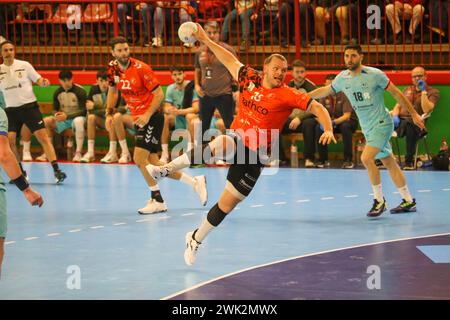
[(262, 110), (135, 83)]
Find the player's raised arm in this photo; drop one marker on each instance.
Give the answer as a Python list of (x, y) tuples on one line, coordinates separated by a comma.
[(225, 57)]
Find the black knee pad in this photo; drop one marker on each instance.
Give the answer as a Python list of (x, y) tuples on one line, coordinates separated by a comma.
[(215, 215)]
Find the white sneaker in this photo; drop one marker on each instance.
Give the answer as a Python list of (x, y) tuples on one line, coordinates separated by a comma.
[(164, 159), (309, 164), (77, 157), (157, 172), (274, 163), (125, 158), (42, 158), (220, 162), (153, 206), (109, 158), (191, 248), (26, 156), (157, 42), (87, 158), (200, 189)]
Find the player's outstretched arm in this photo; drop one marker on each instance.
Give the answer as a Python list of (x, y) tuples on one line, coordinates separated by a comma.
[(225, 57), (9, 164), (404, 102), (324, 119), (321, 92)]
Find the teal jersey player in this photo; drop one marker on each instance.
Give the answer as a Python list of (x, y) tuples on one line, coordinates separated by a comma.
[(364, 87)]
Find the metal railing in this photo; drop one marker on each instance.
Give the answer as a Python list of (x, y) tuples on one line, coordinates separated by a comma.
[(53, 34)]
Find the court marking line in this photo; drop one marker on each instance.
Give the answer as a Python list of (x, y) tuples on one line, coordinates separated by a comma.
[(424, 190), (53, 234), (9, 242), (256, 206), (75, 230), (303, 200), (31, 238), (297, 257), (327, 198), (280, 203), (351, 196), (97, 227), (119, 223)]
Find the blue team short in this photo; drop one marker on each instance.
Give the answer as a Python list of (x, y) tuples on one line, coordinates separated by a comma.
[(379, 138)]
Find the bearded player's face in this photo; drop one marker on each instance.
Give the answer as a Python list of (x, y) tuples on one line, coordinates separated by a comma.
[(122, 53)]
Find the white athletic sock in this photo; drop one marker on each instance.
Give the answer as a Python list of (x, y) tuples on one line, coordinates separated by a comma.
[(404, 192), (203, 230), (378, 192), (189, 146), (112, 147), (91, 144), (124, 146), (187, 179), (179, 163), (165, 150), (26, 146), (79, 141)]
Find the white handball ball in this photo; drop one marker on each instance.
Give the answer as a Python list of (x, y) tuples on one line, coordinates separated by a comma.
[(186, 30)]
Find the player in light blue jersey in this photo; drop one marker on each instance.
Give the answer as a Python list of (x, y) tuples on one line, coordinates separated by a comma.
[(364, 87), (9, 163)]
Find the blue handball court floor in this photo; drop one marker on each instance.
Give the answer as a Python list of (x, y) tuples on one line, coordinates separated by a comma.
[(301, 234)]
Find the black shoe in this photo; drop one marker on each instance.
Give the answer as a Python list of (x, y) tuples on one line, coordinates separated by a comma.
[(323, 164), (60, 176), (405, 206), (409, 166), (377, 209)]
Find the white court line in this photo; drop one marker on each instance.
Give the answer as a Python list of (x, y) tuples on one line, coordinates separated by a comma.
[(164, 218), (257, 206), (278, 203), (327, 198), (97, 227), (53, 234), (303, 200), (424, 190), (119, 223), (143, 220), (351, 196), (75, 230), (293, 258), (31, 238), (445, 189), (10, 242), (188, 214)]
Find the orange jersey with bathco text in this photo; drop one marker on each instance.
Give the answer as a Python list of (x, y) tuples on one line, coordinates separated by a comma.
[(262, 110), (135, 83)]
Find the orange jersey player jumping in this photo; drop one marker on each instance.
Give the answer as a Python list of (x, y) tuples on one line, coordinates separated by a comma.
[(265, 103), (143, 96)]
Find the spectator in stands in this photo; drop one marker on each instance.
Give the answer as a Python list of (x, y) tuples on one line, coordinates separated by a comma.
[(96, 115), (439, 18), (424, 99), (213, 83), (181, 105), (346, 13), (306, 15), (7, 15), (296, 120), (165, 9), (131, 11), (242, 9), (69, 104), (399, 10), (272, 17), (344, 121), (30, 11)]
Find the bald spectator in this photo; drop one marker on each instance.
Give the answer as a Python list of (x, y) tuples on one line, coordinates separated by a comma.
[(424, 98)]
